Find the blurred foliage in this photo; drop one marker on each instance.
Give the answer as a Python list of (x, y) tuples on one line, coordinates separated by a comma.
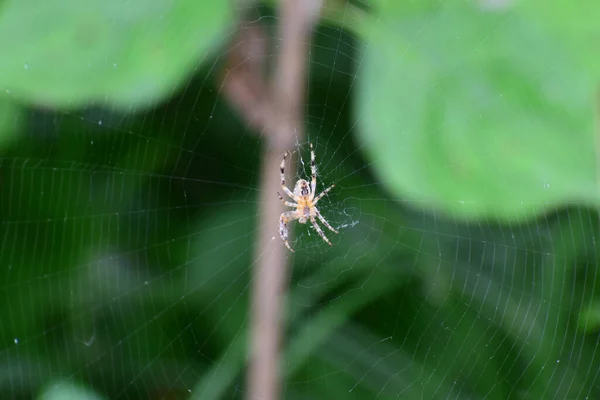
[(114, 52), (68, 391), (126, 242), (491, 110)]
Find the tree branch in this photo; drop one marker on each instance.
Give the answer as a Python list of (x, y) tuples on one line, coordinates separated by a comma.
[(283, 124)]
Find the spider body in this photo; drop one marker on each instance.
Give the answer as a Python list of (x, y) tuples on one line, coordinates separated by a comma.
[(305, 202)]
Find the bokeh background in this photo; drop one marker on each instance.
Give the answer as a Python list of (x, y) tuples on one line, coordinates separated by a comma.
[(461, 137)]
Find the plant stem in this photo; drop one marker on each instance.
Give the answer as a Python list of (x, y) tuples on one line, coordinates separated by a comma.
[(282, 130)]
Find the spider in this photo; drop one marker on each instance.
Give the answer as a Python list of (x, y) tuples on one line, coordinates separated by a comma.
[(305, 202)]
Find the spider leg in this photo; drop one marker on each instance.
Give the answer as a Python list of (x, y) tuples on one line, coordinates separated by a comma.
[(319, 231), (287, 203), (324, 221), (281, 170), (323, 193), (283, 229), (313, 170)]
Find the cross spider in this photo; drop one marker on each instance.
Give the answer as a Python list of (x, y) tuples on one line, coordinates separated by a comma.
[(305, 202)]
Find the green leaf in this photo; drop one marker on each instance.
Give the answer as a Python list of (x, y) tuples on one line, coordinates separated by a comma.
[(589, 319), (68, 391), (481, 114), (575, 23), (119, 53)]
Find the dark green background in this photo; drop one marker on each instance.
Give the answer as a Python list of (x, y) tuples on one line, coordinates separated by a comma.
[(461, 141)]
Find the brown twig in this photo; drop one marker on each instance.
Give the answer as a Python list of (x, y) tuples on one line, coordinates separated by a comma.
[(277, 113), (243, 78)]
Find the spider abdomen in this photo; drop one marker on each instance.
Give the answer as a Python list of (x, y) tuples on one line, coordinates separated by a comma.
[(302, 188)]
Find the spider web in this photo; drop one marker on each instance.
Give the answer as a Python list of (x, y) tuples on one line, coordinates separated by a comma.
[(128, 243)]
